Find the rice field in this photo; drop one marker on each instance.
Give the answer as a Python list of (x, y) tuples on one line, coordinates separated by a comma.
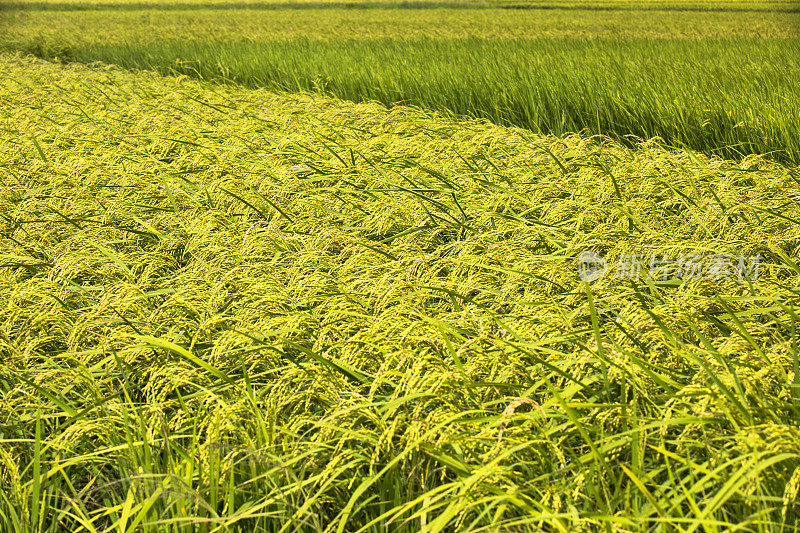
[(716, 77), (233, 303)]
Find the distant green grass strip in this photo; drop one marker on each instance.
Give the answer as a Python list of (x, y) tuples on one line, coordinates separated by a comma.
[(722, 96), (775, 7)]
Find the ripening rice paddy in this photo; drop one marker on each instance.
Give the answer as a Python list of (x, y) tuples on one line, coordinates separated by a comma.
[(717, 77), (228, 309), (399, 266)]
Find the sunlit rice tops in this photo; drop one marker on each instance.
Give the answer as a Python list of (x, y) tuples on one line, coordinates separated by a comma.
[(721, 81), (233, 308)]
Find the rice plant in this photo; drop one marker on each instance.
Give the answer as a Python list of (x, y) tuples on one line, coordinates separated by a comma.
[(716, 77), (228, 309)]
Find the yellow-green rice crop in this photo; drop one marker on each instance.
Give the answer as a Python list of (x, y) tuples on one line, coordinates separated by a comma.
[(160, 21), (225, 309), (717, 77)]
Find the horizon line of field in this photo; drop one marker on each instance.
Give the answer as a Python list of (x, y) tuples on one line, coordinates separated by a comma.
[(381, 4)]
